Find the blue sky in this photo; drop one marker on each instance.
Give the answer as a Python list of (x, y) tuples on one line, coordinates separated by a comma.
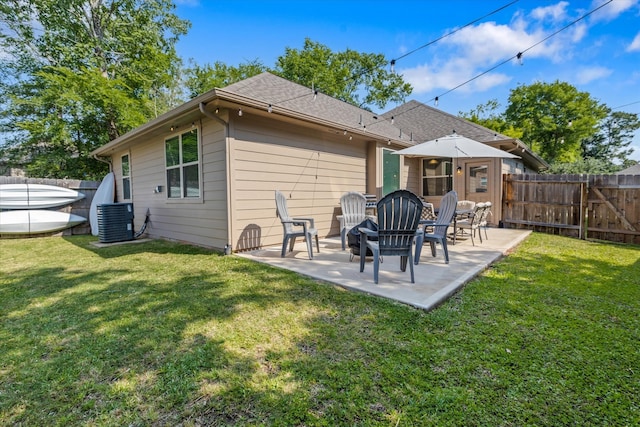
[(599, 54)]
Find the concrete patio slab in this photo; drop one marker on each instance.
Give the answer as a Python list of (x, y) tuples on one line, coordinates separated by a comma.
[(435, 281)]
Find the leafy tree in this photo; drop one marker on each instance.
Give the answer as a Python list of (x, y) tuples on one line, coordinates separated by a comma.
[(360, 79), (613, 138), (79, 73), (555, 118), (588, 165), (486, 115), (201, 79)]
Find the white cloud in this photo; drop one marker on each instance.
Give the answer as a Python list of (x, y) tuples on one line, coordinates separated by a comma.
[(612, 10), (635, 44), (554, 13), (473, 50), (427, 78), (489, 42), (589, 74), (579, 32)]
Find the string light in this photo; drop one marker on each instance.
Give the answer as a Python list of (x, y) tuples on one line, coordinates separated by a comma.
[(519, 56), (270, 108), (393, 61), (240, 112), (437, 98)]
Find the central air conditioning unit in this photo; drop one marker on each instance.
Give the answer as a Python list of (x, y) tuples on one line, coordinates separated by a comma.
[(115, 222)]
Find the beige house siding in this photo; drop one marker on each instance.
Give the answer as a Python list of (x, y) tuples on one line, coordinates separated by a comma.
[(494, 193), (312, 167), (202, 221), (494, 176), (313, 148), (412, 175)]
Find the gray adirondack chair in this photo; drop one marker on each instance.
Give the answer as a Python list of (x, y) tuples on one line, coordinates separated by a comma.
[(440, 227), (353, 205), (295, 227), (398, 218)]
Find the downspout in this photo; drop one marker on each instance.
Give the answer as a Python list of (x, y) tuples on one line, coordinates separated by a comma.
[(95, 156), (202, 105)]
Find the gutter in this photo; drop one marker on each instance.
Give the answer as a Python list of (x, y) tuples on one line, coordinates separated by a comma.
[(158, 121)]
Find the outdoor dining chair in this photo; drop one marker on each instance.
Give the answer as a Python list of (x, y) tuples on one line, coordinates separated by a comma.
[(354, 206), (398, 217), (464, 208), (485, 219), (428, 212), (295, 227), (472, 222), (440, 227), (465, 205)]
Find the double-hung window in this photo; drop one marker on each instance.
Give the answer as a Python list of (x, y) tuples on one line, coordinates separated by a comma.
[(437, 177), (183, 165), (126, 178)]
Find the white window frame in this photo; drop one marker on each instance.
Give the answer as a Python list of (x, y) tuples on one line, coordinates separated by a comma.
[(181, 166), (126, 177)]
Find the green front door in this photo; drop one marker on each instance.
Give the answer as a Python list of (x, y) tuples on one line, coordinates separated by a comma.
[(390, 172)]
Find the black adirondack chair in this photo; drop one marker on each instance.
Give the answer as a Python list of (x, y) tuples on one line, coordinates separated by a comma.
[(398, 218)]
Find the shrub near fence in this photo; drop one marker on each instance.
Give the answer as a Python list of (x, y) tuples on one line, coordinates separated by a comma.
[(80, 207), (603, 207)]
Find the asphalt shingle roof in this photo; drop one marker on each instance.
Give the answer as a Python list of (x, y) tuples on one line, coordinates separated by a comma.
[(429, 123), (633, 170), (286, 95)]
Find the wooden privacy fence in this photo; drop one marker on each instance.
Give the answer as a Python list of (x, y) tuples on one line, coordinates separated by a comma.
[(605, 207)]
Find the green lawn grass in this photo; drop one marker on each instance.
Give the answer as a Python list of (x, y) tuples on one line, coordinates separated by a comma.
[(161, 333)]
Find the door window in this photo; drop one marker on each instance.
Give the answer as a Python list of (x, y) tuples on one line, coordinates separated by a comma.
[(477, 178)]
